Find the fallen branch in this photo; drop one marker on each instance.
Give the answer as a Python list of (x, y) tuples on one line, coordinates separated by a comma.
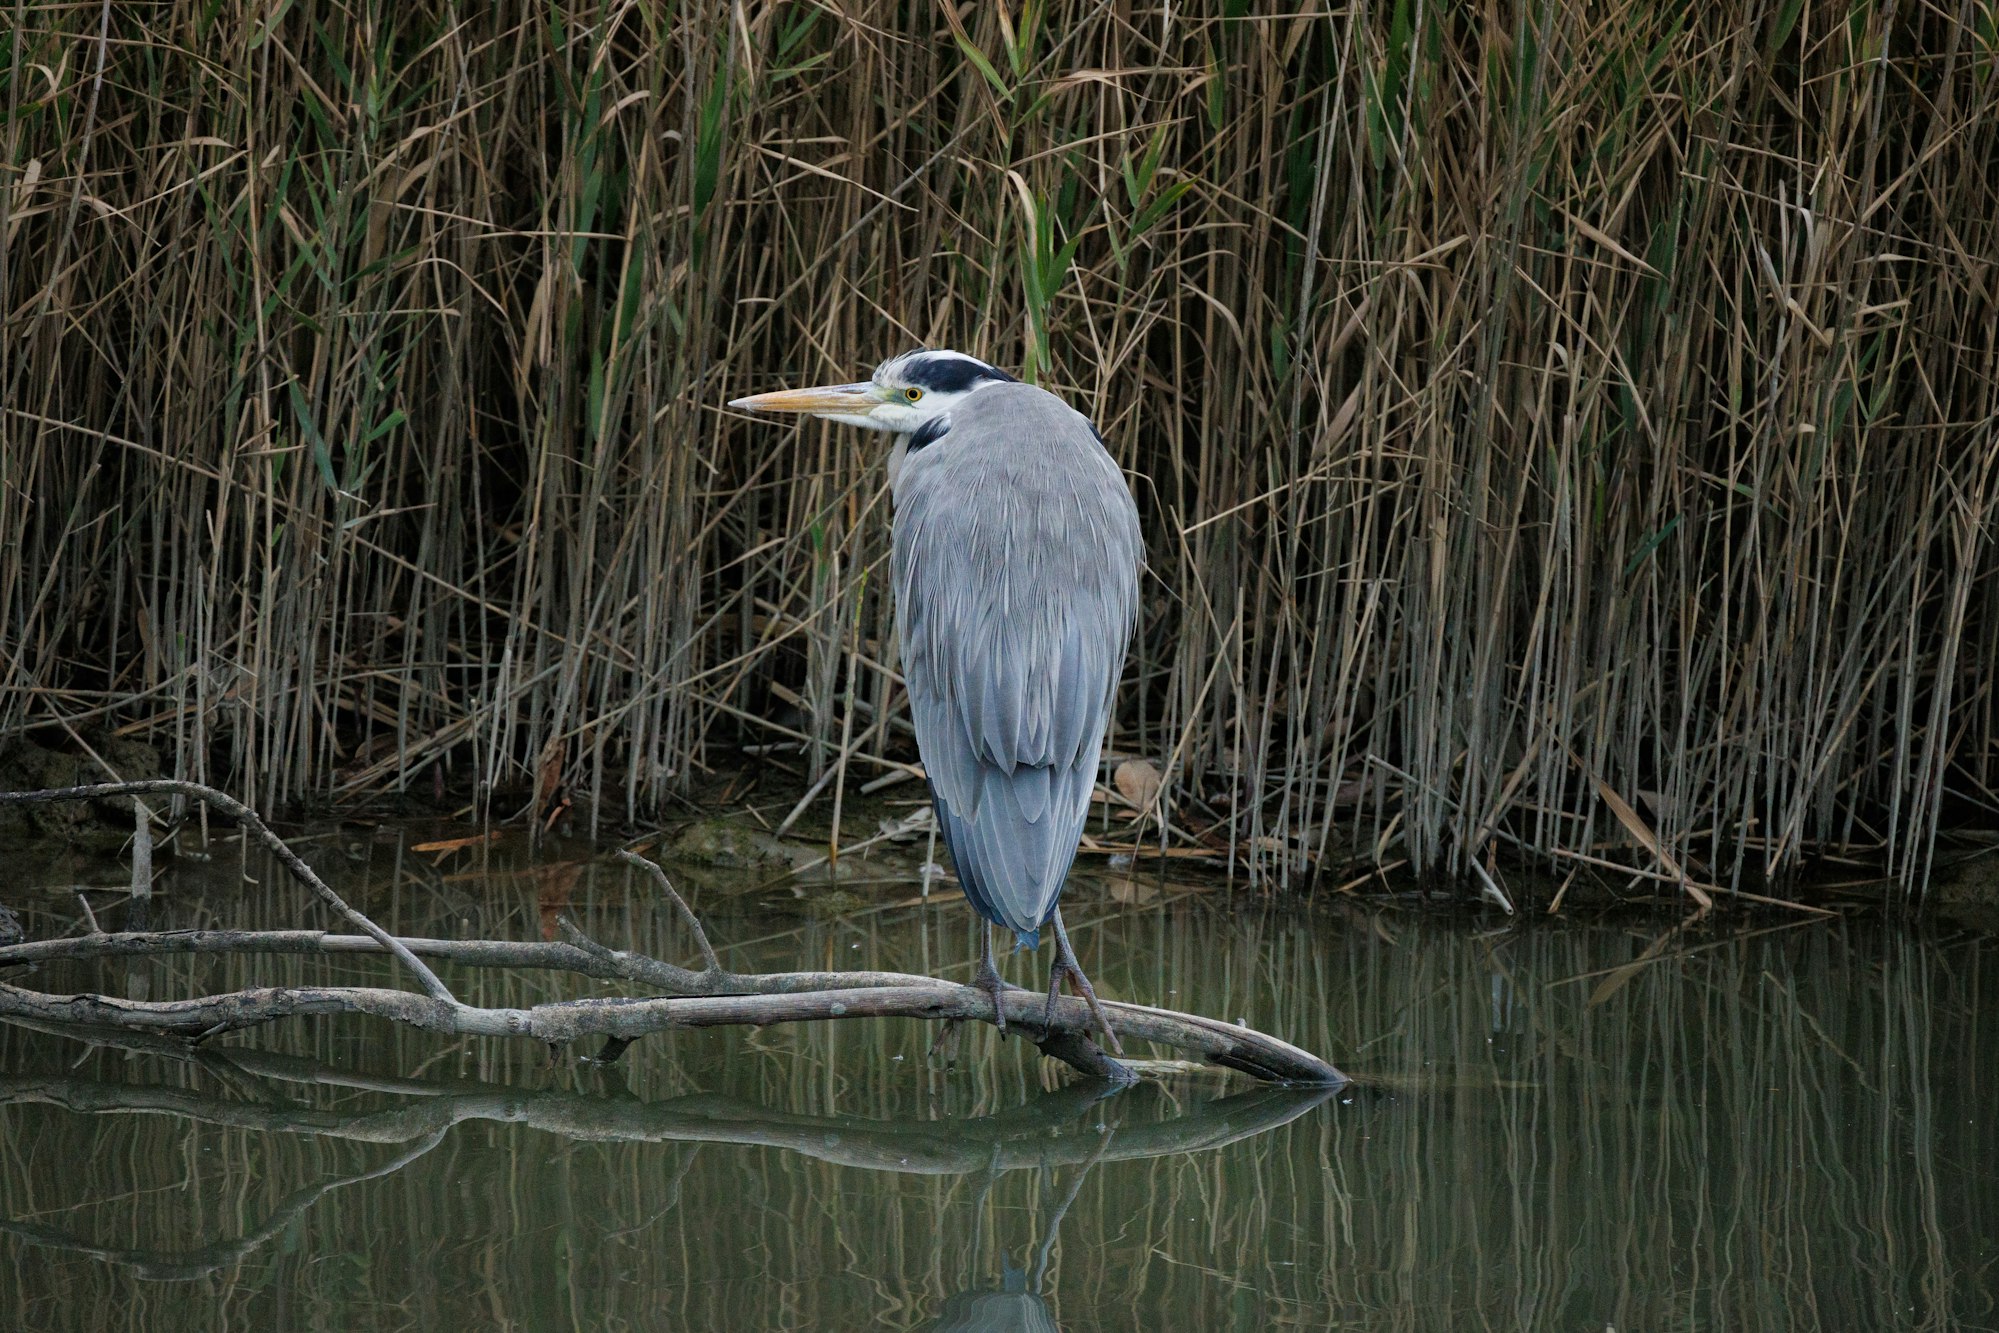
[(625, 1020), (709, 997)]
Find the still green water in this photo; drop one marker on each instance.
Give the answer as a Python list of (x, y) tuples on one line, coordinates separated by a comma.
[(1783, 1124)]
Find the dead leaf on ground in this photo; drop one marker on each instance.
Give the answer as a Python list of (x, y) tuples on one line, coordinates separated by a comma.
[(1638, 829), (1138, 781), (443, 845)]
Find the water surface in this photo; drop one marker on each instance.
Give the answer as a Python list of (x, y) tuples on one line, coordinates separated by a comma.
[(1602, 1122)]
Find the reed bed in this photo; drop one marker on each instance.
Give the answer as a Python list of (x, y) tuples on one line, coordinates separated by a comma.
[(1565, 432)]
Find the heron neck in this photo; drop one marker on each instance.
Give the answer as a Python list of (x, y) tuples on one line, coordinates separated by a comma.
[(896, 454)]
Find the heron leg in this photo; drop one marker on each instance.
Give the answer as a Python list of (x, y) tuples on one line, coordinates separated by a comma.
[(1055, 971), (1065, 963), (987, 978)]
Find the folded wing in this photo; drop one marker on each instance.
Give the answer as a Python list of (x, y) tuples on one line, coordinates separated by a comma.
[(1016, 588)]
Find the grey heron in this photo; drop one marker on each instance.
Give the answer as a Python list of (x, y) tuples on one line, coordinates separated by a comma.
[(1015, 557)]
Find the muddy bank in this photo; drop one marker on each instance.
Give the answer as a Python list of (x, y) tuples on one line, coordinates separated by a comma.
[(743, 836), (102, 825)]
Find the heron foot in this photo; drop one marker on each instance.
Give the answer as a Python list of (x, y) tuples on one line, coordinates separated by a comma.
[(1066, 964)]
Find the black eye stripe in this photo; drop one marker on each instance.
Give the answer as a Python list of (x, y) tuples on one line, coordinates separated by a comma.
[(929, 432), (953, 374)]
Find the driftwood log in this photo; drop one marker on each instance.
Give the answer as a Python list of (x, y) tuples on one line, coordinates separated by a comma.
[(710, 996)]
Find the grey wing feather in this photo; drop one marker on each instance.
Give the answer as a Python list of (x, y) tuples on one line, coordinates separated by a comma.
[(1016, 557)]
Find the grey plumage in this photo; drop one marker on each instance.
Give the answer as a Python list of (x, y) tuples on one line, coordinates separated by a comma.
[(1015, 564), (1016, 559)]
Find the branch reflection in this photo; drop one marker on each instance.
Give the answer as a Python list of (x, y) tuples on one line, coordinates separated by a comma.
[(1077, 1126)]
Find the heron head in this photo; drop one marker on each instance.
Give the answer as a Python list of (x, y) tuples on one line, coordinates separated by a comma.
[(904, 394)]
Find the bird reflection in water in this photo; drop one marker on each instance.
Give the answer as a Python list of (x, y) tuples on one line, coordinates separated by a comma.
[(1016, 1304)]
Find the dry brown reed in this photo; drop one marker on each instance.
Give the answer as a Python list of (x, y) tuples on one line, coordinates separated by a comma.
[(1566, 432)]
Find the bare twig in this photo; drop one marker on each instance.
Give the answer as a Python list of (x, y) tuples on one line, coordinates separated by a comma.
[(1490, 890), (89, 915), (248, 818), (658, 875)]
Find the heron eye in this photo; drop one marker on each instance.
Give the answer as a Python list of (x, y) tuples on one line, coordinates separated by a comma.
[(912, 395)]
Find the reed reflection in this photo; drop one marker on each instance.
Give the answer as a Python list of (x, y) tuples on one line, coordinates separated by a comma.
[(1778, 1123), (1075, 1127)]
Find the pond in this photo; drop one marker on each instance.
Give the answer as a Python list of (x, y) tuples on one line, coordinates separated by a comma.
[(1590, 1123)]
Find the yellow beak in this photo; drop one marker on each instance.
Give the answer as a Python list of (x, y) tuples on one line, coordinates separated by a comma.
[(856, 400)]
